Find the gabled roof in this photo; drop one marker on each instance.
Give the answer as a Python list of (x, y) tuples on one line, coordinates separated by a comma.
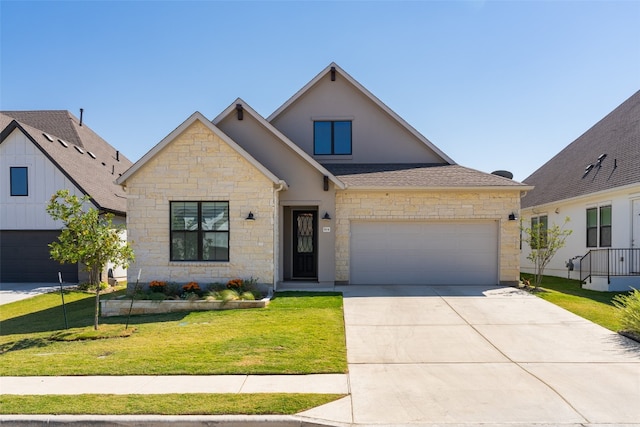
[(366, 93), (420, 176), (197, 116), (575, 171), (93, 166), (286, 141)]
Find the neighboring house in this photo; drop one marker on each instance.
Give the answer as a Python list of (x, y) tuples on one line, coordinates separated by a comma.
[(42, 152), (333, 188), (595, 181)]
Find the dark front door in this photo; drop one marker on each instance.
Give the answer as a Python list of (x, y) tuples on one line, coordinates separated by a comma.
[(304, 245)]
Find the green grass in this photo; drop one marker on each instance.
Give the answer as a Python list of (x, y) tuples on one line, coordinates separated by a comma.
[(164, 404), (592, 305), (298, 333)]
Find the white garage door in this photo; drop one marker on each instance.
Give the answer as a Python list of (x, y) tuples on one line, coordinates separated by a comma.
[(432, 253)]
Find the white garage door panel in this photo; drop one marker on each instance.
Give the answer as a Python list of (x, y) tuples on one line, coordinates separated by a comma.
[(457, 253)]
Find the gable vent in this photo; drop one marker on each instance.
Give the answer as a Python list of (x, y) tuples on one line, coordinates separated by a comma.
[(64, 144), (93, 156), (47, 136), (78, 149)]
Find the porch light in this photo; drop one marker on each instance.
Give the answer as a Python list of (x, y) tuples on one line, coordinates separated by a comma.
[(326, 216), (512, 216), (250, 217)]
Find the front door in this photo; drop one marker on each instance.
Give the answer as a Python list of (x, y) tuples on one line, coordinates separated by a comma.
[(305, 265)]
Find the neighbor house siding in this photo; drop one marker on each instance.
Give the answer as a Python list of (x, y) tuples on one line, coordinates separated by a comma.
[(44, 179), (199, 166), (431, 206), (621, 202)]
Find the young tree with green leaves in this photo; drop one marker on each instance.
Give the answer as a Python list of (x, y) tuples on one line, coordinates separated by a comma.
[(544, 243), (88, 237)]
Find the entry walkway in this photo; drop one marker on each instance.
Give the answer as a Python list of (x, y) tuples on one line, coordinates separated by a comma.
[(430, 356)]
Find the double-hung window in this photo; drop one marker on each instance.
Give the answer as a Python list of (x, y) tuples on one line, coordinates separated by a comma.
[(332, 137), (19, 181), (539, 227), (199, 231), (599, 227)]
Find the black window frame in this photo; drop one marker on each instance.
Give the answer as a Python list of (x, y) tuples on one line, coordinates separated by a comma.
[(602, 227), (333, 141), (592, 228), (13, 184), (599, 232), (199, 231)]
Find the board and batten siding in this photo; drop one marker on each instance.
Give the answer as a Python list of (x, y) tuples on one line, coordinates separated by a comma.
[(44, 179)]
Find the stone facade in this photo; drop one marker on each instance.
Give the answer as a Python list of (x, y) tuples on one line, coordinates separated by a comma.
[(199, 166), (431, 205)]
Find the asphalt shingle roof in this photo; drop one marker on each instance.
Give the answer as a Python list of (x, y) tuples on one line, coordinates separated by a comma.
[(563, 177), (416, 175), (94, 176)]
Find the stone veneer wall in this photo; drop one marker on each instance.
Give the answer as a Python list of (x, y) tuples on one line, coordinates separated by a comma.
[(431, 205), (199, 166)]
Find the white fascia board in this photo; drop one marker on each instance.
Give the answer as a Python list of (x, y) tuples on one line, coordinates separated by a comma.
[(368, 94), (597, 194), (269, 127), (197, 116), (444, 188)]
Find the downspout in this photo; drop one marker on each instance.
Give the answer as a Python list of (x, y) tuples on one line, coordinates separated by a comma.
[(276, 228)]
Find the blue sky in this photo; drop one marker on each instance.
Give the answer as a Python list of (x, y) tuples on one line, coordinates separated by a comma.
[(495, 85)]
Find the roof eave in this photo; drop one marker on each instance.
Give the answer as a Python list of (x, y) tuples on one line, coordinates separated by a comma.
[(441, 188), (269, 127), (196, 116), (369, 95)]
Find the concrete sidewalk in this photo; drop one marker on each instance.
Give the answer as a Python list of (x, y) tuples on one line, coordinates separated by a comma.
[(10, 292), (425, 356)]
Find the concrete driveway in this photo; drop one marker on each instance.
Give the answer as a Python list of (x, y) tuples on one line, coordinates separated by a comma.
[(475, 355), (10, 292)]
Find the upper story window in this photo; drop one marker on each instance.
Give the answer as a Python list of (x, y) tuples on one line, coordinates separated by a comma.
[(539, 228), (199, 231), (599, 227), (332, 137), (19, 181)]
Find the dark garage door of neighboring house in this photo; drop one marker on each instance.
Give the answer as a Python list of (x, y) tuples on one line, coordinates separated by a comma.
[(24, 257), (424, 253)]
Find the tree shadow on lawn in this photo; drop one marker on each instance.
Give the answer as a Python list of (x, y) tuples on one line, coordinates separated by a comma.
[(79, 314)]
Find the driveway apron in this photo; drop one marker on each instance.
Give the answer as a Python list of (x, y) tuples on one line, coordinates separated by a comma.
[(476, 354)]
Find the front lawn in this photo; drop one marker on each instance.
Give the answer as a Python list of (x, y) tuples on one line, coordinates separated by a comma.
[(298, 333), (592, 305)]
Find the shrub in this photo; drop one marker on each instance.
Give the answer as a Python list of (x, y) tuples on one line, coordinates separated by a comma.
[(191, 287), (247, 296), (629, 310), (158, 286)]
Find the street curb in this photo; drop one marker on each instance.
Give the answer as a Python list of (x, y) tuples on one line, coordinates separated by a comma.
[(156, 420)]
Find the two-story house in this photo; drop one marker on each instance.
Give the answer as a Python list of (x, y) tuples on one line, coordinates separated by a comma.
[(332, 188), (42, 152)]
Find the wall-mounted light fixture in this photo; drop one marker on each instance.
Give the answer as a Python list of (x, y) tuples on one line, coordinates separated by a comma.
[(513, 216), (240, 111), (326, 216), (333, 74), (250, 217), (325, 183)]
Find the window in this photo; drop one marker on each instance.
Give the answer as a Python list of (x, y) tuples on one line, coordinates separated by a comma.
[(605, 226), (592, 227), (599, 227), (539, 226), (199, 231), (331, 137), (19, 181)]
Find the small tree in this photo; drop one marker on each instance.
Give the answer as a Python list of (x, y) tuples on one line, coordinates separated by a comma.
[(544, 243), (88, 237)]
